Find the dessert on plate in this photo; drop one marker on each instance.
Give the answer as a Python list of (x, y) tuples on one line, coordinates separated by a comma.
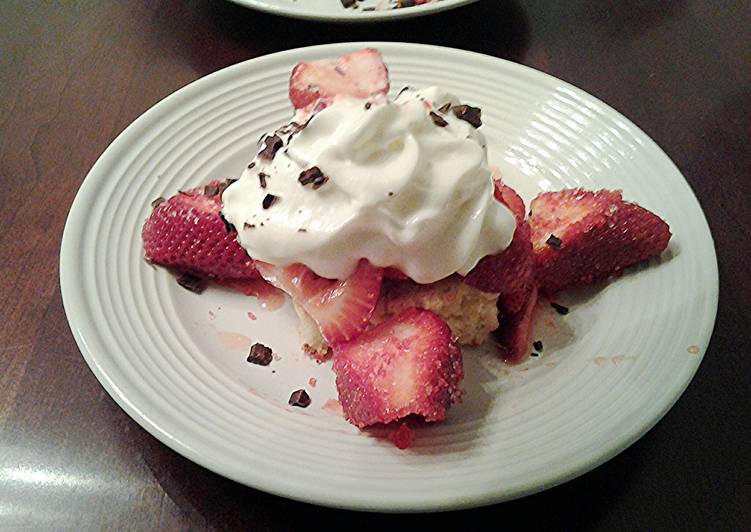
[(383, 221)]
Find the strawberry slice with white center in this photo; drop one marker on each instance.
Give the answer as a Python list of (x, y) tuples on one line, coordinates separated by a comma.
[(361, 74), (407, 365), (341, 308)]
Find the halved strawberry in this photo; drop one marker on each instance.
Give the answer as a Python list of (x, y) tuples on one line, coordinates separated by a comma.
[(515, 331), (409, 364), (509, 271), (580, 237), (187, 233), (361, 74), (342, 308)]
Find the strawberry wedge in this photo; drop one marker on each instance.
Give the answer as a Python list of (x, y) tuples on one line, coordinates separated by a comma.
[(361, 74), (580, 237), (509, 272), (187, 233), (515, 332), (341, 309), (407, 365)]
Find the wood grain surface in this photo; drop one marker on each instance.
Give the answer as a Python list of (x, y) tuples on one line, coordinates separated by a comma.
[(73, 74)]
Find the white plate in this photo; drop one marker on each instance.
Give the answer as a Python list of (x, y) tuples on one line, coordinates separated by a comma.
[(175, 361), (333, 11)]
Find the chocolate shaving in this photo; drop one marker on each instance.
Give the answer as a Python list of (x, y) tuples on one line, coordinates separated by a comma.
[(246, 225), (554, 242), (299, 398), (368, 105), (262, 179), (260, 354), (312, 176), (224, 184), (157, 202), (406, 3), (294, 128), (468, 114), (560, 309), (533, 354), (537, 345), (286, 129), (348, 3), (211, 190), (251, 165), (368, 9), (302, 230), (406, 88), (192, 282), (273, 144), (269, 200), (445, 108), (438, 120), (228, 226)]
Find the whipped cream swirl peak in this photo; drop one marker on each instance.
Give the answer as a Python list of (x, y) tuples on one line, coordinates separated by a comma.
[(402, 183)]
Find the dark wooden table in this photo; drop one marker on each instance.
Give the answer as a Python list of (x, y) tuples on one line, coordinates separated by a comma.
[(74, 74)]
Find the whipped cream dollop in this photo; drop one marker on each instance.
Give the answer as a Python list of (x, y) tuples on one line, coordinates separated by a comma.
[(402, 183)]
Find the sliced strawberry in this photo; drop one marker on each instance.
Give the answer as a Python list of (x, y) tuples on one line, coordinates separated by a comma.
[(361, 74), (508, 196), (512, 303), (510, 271), (470, 313), (187, 232), (580, 237), (515, 331), (342, 308), (403, 436), (409, 364), (394, 274)]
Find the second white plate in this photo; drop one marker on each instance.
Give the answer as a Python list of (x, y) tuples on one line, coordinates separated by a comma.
[(175, 361), (334, 11)]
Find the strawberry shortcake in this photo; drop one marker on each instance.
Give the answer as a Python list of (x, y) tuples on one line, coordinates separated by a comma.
[(383, 222)]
